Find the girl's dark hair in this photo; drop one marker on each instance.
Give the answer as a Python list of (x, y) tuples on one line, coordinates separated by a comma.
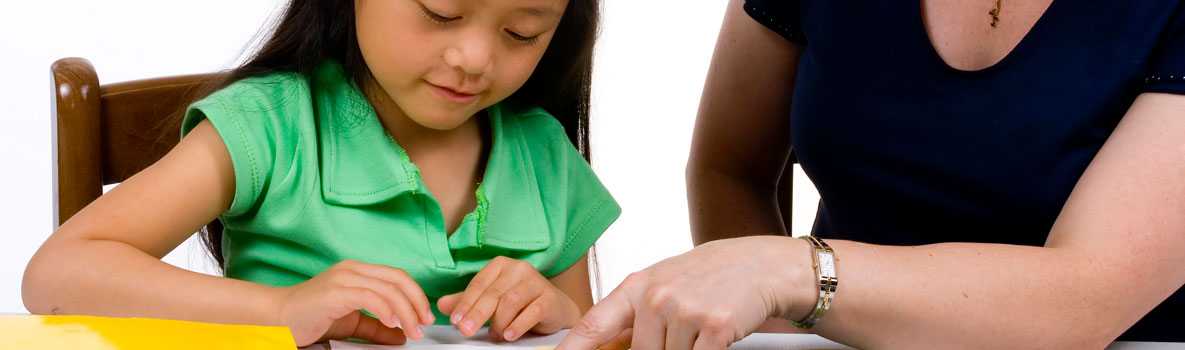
[(310, 32)]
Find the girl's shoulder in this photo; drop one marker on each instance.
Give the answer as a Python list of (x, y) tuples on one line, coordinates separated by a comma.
[(269, 92), (260, 119), (531, 122)]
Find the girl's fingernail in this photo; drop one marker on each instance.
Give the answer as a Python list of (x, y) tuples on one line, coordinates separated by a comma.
[(509, 335), (456, 318), (395, 324), (467, 326)]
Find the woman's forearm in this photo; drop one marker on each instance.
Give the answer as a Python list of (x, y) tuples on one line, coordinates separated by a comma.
[(965, 295), (101, 277)]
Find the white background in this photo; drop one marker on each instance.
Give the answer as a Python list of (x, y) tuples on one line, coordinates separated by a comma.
[(650, 67)]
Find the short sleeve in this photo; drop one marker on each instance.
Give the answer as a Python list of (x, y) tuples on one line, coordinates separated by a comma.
[(246, 130), (1166, 71), (591, 212), (781, 16), (575, 198)]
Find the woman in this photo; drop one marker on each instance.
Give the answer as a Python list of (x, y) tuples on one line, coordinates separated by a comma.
[(993, 174)]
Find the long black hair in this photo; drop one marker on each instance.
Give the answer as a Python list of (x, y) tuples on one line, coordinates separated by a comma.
[(310, 32)]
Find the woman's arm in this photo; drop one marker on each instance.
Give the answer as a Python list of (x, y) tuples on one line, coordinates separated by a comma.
[(106, 259), (742, 132), (1115, 252)]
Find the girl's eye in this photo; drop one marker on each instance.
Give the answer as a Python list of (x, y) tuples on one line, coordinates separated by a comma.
[(436, 17), (521, 38)]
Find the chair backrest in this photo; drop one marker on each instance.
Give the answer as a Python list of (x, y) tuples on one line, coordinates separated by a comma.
[(103, 134)]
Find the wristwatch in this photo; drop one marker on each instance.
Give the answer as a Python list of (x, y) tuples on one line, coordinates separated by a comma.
[(823, 260)]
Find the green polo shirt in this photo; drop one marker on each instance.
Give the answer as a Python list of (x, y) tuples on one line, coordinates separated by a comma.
[(319, 180)]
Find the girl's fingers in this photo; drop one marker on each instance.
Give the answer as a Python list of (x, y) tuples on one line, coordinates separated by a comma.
[(399, 278), (398, 307), (531, 315), (510, 305), (373, 331), (477, 286), (391, 294), (447, 303), (407, 317), (352, 299), (485, 305)]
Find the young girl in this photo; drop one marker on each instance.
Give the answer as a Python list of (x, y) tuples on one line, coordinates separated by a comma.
[(377, 166)]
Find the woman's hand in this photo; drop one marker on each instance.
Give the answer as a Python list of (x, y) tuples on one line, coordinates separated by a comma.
[(707, 298), (327, 306), (517, 298)]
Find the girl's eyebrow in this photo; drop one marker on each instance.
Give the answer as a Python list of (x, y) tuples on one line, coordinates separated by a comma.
[(538, 11)]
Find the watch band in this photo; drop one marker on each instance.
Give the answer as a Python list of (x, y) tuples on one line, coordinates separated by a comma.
[(823, 261)]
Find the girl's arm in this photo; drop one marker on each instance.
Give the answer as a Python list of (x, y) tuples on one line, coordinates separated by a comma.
[(1114, 253), (574, 282), (105, 260), (742, 132)]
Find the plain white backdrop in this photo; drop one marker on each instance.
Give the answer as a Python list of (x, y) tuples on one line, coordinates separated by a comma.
[(650, 67)]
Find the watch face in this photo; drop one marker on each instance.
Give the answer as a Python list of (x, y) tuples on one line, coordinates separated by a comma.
[(827, 264)]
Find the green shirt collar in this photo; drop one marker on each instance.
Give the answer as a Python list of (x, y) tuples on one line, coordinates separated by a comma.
[(362, 165)]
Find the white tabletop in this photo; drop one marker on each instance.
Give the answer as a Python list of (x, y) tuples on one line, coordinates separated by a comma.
[(447, 338)]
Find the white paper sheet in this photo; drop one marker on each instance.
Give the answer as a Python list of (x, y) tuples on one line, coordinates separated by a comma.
[(447, 338)]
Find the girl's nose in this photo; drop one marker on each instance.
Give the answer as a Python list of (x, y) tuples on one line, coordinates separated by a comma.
[(473, 57)]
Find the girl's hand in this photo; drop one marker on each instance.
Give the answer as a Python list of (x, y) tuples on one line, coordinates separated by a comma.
[(327, 306), (518, 298)]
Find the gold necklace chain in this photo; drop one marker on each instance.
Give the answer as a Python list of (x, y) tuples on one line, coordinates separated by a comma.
[(996, 13)]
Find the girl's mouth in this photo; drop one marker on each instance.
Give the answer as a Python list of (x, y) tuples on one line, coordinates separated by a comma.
[(453, 95)]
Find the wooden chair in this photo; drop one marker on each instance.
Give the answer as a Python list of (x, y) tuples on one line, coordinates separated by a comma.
[(103, 134)]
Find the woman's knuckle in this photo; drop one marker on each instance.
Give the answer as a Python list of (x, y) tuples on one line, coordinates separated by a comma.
[(656, 298), (634, 278), (719, 320), (588, 328)]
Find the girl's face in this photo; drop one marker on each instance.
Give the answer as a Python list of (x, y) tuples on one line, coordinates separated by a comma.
[(442, 61)]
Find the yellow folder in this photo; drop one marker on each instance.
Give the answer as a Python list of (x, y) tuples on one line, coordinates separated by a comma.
[(90, 332)]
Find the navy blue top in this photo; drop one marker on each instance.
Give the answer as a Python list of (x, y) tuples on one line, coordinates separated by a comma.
[(906, 150)]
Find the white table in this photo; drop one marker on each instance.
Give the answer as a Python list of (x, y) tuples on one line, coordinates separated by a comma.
[(447, 338)]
